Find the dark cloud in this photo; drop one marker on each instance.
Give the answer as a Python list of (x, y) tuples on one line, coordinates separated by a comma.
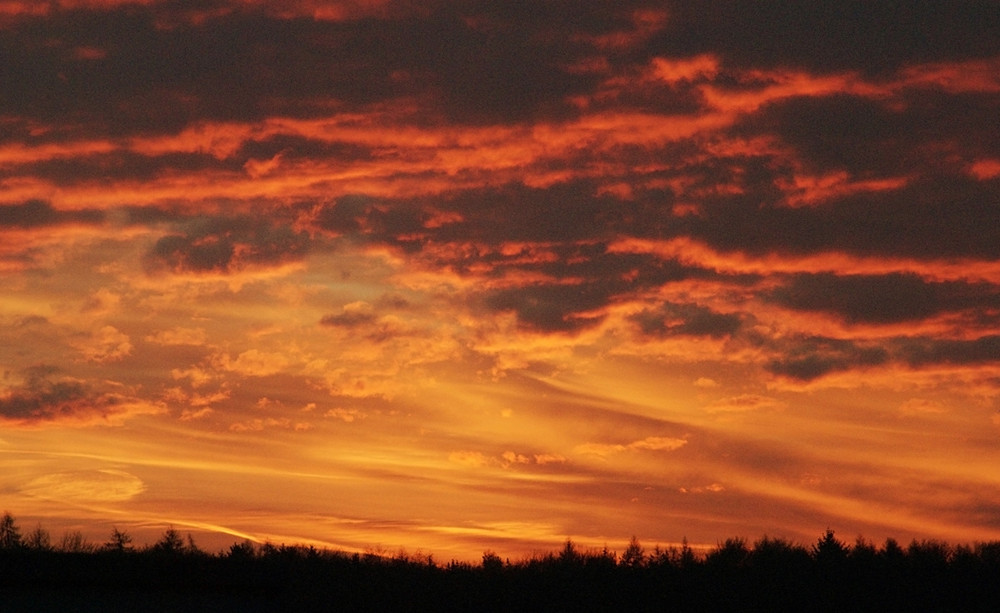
[(118, 166), (142, 77), (126, 72), (551, 308), (37, 213), (226, 245), (812, 357), (927, 351), (365, 319), (560, 231), (809, 358), (348, 214), (841, 131), (44, 398), (928, 218), (873, 138), (872, 37), (517, 212), (349, 319), (671, 319), (294, 147), (513, 212), (137, 68), (881, 299), (594, 279), (393, 302)]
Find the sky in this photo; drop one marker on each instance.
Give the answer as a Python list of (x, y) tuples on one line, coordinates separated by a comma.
[(455, 276)]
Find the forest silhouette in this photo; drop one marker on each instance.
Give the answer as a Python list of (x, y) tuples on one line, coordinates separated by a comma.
[(770, 574)]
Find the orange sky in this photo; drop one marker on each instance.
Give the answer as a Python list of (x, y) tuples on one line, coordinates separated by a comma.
[(457, 276)]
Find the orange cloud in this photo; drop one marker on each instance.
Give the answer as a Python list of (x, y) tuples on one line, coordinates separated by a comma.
[(44, 399), (651, 443), (105, 345), (93, 486), (985, 169), (700, 254), (178, 336), (688, 69)]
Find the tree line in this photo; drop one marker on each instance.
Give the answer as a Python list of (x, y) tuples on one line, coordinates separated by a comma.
[(769, 574)]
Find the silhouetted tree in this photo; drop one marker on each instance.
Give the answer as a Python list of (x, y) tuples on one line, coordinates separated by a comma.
[(777, 555), (891, 551), (634, 555), (491, 561), (732, 553), (687, 558), (928, 569), (191, 547), (605, 558), (778, 577), (772, 575), (569, 553), (120, 540), (988, 553), (10, 534), (928, 554), (242, 551), (74, 542), (863, 552), (38, 539), (829, 550), (171, 542)]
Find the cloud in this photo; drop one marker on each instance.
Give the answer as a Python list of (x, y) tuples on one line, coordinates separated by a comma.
[(195, 414), (713, 488), (44, 398), (39, 213), (375, 322), (107, 344), (473, 459), (178, 336), (927, 351), (549, 458), (226, 245), (917, 407), (589, 204), (882, 299), (571, 289), (671, 319), (744, 403), (268, 423), (811, 357), (351, 315), (102, 302), (551, 308), (345, 415), (475, 65), (86, 486), (807, 358), (255, 363), (854, 35), (650, 443), (869, 137), (506, 459)]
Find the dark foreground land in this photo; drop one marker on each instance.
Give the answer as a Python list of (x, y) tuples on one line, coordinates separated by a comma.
[(769, 575)]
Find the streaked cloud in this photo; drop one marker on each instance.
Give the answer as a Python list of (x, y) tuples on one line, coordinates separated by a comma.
[(719, 267), (97, 486), (651, 443)]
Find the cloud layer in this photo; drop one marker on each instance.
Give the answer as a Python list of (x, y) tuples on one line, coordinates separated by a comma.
[(443, 238)]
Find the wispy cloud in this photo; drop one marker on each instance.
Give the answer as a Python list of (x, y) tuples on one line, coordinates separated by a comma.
[(600, 255)]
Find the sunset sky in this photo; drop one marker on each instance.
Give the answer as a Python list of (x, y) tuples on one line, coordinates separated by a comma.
[(458, 275)]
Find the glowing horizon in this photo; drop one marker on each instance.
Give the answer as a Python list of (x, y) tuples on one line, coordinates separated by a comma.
[(465, 276)]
